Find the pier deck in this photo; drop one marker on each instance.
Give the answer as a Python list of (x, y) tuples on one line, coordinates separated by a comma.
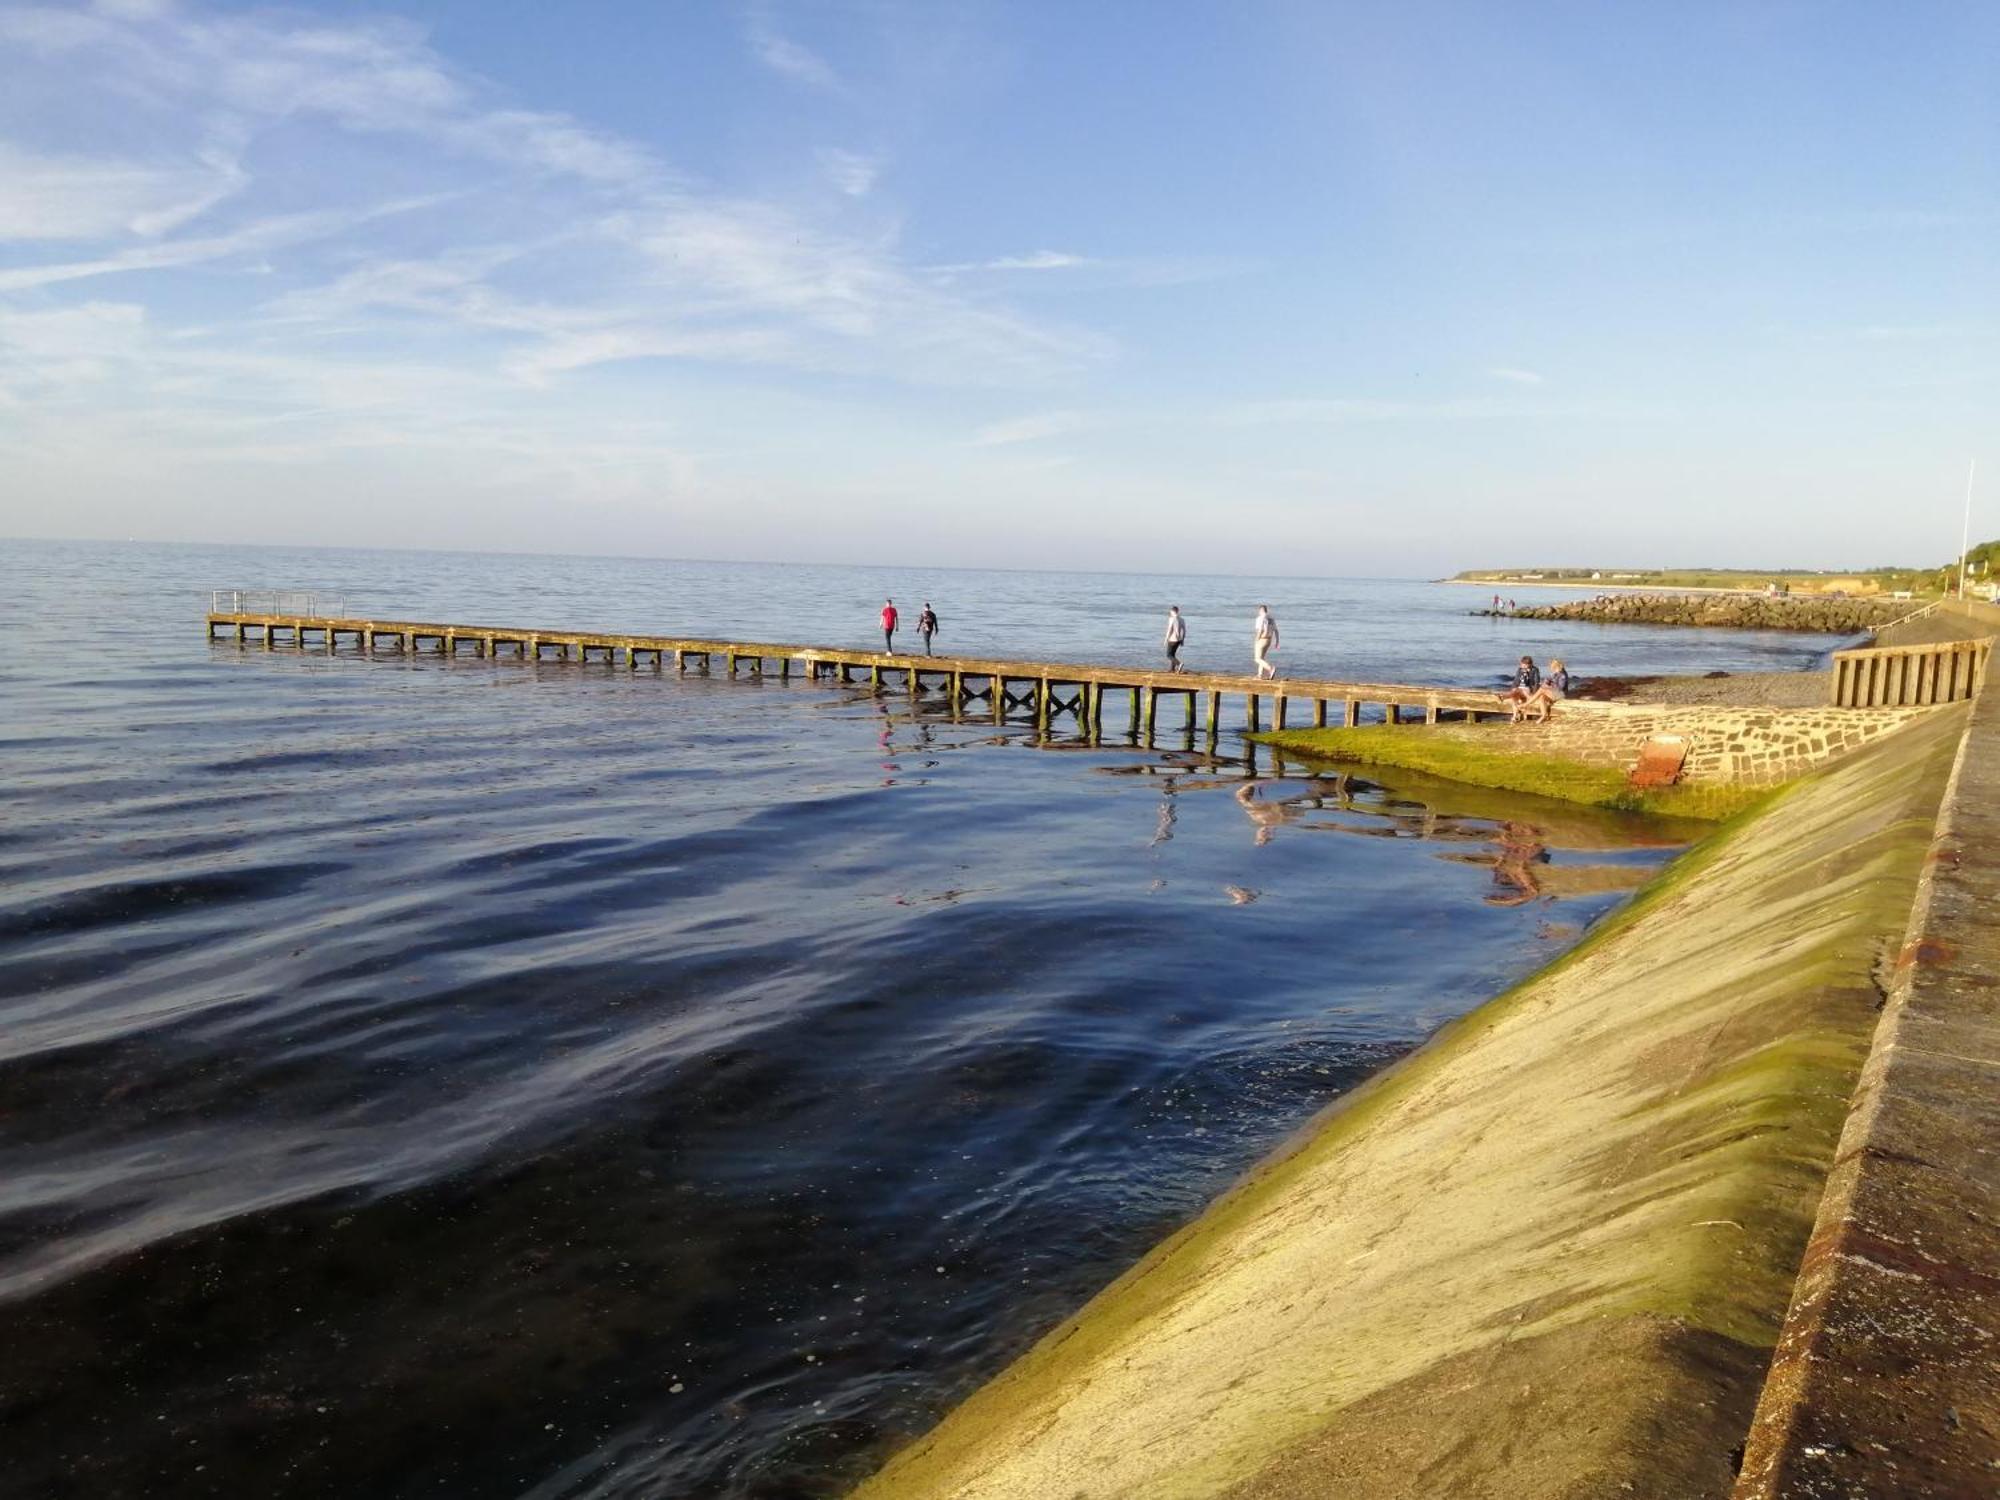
[(1048, 689)]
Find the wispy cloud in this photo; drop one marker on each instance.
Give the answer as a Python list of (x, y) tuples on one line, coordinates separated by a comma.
[(248, 239), (646, 264), (782, 55), (70, 197), (1039, 260), (1908, 333), (1029, 429), (371, 77), (1327, 409), (1342, 411), (1515, 376), (849, 171)]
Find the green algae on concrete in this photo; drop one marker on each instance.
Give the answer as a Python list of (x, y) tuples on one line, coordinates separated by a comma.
[(1509, 769), (1546, 1255)]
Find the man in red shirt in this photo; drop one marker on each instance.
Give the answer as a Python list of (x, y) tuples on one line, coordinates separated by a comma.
[(889, 618)]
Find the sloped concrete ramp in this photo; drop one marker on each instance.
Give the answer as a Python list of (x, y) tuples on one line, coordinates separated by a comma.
[(1548, 1255)]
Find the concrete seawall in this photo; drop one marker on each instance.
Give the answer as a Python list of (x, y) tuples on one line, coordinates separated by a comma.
[(1548, 1255), (1886, 1380)]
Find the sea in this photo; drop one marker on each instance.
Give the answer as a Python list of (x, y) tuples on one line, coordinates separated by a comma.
[(473, 1078)]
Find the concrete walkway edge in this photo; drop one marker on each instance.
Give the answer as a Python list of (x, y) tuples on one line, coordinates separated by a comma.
[(1886, 1378)]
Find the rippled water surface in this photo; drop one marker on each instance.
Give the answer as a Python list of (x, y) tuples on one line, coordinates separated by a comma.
[(495, 1079)]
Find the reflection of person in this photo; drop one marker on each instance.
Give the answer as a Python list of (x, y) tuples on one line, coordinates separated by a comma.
[(889, 618), (1263, 641), (1176, 635), (1266, 815), (927, 625), (1518, 849)]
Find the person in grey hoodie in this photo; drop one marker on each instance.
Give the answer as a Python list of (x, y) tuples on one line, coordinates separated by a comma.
[(1176, 636)]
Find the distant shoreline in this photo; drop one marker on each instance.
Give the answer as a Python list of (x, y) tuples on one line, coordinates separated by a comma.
[(1594, 585)]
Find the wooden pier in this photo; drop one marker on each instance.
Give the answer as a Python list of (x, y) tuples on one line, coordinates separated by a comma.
[(1047, 690)]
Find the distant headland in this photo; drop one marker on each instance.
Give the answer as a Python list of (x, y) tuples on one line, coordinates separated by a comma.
[(1891, 582)]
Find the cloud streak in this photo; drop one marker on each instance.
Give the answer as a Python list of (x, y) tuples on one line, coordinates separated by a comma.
[(646, 265), (1029, 429), (785, 57)]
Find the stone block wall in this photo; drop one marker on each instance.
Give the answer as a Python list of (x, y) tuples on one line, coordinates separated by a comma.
[(1726, 746)]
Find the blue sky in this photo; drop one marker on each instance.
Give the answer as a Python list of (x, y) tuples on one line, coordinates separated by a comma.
[(1270, 287)]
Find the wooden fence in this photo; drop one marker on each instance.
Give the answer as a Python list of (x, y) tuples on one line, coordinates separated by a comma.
[(1909, 676)]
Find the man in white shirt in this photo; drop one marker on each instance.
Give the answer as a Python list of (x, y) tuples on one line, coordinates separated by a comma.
[(1263, 641)]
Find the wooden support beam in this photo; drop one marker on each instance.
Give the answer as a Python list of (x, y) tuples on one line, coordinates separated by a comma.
[(1214, 713), (1278, 718), (1250, 703), (1152, 708), (1351, 714)]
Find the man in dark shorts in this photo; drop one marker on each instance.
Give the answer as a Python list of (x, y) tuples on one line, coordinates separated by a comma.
[(889, 618)]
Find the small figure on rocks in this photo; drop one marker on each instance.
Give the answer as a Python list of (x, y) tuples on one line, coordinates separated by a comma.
[(1263, 641), (1176, 635), (889, 619), (927, 625)]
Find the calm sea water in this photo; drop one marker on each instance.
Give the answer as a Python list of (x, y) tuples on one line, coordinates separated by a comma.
[(494, 1079)]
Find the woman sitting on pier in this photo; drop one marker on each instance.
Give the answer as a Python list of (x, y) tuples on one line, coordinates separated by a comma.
[(1552, 690)]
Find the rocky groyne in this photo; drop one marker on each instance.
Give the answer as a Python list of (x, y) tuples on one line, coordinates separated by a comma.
[(1739, 611)]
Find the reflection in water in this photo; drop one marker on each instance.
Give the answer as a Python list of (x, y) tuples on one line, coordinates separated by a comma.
[(1521, 853), (701, 1120)]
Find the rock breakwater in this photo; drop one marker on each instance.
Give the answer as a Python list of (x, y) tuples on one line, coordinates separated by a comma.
[(1743, 611)]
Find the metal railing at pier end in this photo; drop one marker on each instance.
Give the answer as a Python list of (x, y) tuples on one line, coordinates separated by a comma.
[(304, 603)]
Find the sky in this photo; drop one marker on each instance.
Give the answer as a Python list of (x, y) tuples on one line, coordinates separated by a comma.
[(1273, 287)]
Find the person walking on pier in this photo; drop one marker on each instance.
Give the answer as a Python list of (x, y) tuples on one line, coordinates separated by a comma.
[(1263, 641), (927, 625), (1176, 635), (889, 619)]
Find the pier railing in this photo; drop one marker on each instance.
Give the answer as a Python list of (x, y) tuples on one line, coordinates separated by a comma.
[(307, 604), (1909, 676)]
